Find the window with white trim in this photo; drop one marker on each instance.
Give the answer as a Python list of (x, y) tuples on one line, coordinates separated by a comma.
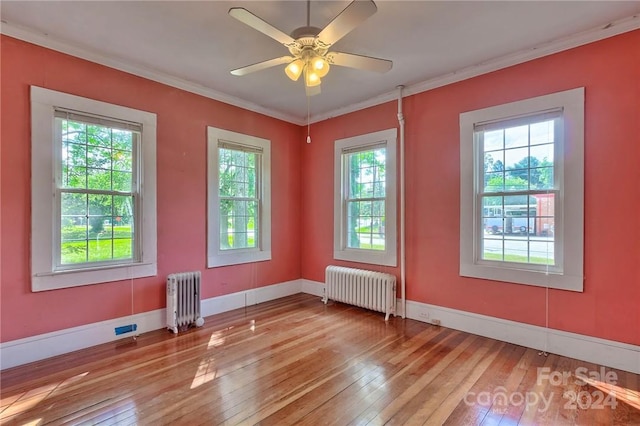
[(522, 191), (365, 198), (239, 208), (93, 191)]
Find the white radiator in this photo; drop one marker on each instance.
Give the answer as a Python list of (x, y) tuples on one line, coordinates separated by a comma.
[(183, 301), (366, 289)]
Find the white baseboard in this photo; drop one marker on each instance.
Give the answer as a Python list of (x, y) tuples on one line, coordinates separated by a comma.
[(586, 348), (36, 348), (313, 287)]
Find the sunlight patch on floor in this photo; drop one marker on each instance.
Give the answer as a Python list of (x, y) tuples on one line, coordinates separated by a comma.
[(206, 372), (32, 397)]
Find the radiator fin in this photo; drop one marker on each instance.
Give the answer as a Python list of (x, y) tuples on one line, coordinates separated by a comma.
[(362, 288), (183, 300)]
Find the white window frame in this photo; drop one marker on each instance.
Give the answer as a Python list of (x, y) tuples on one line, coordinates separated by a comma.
[(387, 257), (44, 205), (569, 208), (215, 256)]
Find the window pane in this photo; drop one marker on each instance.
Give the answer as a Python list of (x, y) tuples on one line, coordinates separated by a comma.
[(238, 224), (122, 139), (367, 173), (74, 154), (88, 157), (122, 160), (527, 235), (517, 158), (74, 132), (122, 181), (494, 182), (366, 224), (99, 179), (493, 140), (95, 228), (492, 215), (73, 227), (74, 177), (98, 157), (543, 155), (516, 136), (542, 132), (98, 135), (237, 171)]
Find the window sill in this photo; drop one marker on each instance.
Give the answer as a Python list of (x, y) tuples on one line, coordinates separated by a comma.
[(363, 256), (43, 281), (228, 259), (548, 279)]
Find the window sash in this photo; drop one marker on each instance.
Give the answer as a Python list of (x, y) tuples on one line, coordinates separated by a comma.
[(556, 190), (257, 190), (92, 119), (348, 199)]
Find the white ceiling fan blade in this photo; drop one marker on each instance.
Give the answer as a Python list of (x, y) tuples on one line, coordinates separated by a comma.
[(352, 16), (262, 65), (312, 91), (360, 62), (248, 18)]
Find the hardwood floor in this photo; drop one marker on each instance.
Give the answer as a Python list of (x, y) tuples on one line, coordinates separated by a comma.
[(297, 361)]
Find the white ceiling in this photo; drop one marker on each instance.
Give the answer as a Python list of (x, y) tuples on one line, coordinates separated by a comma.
[(194, 45)]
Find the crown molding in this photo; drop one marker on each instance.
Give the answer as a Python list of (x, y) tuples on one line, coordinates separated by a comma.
[(44, 40), (611, 29)]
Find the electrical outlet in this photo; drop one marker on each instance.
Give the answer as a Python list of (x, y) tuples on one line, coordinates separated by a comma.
[(424, 315)]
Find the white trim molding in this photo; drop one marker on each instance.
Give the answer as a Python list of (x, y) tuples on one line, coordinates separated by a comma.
[(604, 352)]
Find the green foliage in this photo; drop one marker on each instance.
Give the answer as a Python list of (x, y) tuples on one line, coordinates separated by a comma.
[(96, 250), (366, 174), (518, 258), (96, 158), (238, 191), (528, 173), (97, 224)]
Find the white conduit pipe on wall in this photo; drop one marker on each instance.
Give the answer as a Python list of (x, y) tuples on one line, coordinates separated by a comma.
[(402, 207)]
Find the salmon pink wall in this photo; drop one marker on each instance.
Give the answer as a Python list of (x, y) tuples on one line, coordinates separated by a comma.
[(317, 160), (608, 307), (182, 119)]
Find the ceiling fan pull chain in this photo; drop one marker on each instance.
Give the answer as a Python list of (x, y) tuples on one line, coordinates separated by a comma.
[(308, 120)]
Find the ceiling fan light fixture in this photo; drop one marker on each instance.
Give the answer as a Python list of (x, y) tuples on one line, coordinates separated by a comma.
[(294, 69), (320, 66), (311, 78)]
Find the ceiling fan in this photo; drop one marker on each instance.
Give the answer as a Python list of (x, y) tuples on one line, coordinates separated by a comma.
[(309, 46)]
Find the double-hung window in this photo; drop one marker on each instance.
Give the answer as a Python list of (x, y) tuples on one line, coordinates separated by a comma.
[(93, 220), (522, 191), (239, 198), (365, 200)]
